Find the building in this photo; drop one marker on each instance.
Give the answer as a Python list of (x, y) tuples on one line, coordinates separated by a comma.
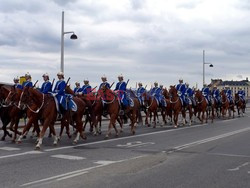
[(233, 85)]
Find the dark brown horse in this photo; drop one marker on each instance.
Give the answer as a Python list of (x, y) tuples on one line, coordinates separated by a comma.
[(168, 111), (176, 106), (201, 106), (4, 110), (240, 105), (151, 106)]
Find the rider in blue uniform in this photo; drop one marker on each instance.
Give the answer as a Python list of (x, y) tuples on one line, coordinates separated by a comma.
[(157, 93), (46, 87), (189, 94), (104, 82), (140, 91), (28, 82), (206, 93), (162, 98), (181, 88), (59, 90), (121, 90), (216, 94), (77, 89), (242, 94), (86, 88), (228, 92), (17, 84)]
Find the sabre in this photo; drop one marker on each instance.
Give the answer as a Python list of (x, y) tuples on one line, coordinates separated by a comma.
[(127, 82), (93, 89), (35, 84), (112, 84), (146, 86), (52, 83), (67, 81)]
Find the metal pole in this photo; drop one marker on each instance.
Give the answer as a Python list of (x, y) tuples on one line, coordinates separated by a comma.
[(62, 44), (203, 68)]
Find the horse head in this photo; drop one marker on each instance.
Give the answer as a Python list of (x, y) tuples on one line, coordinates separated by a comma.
[(68, 90), (173, 92)]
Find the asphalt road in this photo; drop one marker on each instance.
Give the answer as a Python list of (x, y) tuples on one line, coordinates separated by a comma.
[(208, 155)]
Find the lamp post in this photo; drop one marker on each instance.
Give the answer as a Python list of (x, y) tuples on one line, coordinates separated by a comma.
[(210, 65), (73, 36)]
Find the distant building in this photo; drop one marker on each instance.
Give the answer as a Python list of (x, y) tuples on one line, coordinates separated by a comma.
[(233, 85)]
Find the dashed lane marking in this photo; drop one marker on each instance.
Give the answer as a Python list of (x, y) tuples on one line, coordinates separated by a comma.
[(69, 157), (9, 148)]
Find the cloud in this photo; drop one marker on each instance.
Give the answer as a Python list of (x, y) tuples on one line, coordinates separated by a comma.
[(144, 40)]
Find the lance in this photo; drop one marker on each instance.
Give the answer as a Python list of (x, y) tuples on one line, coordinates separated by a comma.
[(93, 89), (52, 83), (112, 84), (35, 84), (67, 81)]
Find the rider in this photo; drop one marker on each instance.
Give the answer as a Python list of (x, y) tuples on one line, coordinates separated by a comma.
[(59, 90), (104, 82), (181, 88), (162, 98), (242, 94), (46, 87), (189, 94), (77, 89), (206, 93), (140, 91), (216, 94), (28, 82), (228, 92), (157, 93), (17, 84), (86, 88), (121, 90)]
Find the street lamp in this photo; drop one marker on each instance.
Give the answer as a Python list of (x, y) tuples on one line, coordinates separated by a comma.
[(73, 37), (210, 65)]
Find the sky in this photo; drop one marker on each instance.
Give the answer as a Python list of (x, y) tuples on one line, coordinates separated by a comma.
[(144, 40)]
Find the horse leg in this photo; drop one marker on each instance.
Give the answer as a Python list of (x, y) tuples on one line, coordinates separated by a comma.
[(146, 119), (155, 115), (119, 119), (190, 115), (79, 130), (25, 130), (46, 124)]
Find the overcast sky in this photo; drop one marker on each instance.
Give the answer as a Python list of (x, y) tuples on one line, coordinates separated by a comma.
[(145, 40)]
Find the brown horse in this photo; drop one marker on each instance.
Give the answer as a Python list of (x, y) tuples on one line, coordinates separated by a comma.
[(151, 106), (110, 99), (13, 98), (226, 106), (176, 106), (240, 105), (201, 106), (47, 110)]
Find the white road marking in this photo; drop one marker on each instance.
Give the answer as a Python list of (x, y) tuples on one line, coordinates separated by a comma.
[(20, 154), (178, 148), (229, 155), (135, 144), (76, 172), (71, 176), (9, 148), (69, 157), (238, 167), (105, 162)]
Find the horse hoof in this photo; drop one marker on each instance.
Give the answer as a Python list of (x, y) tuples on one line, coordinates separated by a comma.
[(37, 148), (18, 142), (175, 126), (24, 137), (13, 141), (69, 136), (10, 135), (49, 136), (121, 131), (106, 137), (55, 144), (2, 139), (116, 136), (133, 132), (74, 142), (154, 127)]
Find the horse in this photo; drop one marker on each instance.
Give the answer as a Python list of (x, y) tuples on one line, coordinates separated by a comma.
[(151, 105), (217, 106), (168, 108), (4, 111), (201, 106), (133, 111), (176, 106), (226, 105), (13, 99), (240, 105), (47, 111), (110, 99)]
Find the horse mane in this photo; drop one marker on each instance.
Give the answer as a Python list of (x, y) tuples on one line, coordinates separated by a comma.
[(69, 90)]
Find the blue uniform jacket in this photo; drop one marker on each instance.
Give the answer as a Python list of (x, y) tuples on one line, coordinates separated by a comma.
[(77, 90), (18, 86), (27, 84), (140, 91), (104, 84), (60, 87), (86, 89), (189, 92), (205, 91), (181, 88), (46, 87)]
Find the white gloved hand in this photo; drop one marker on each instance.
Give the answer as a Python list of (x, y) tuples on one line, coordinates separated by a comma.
[(54, 94)]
